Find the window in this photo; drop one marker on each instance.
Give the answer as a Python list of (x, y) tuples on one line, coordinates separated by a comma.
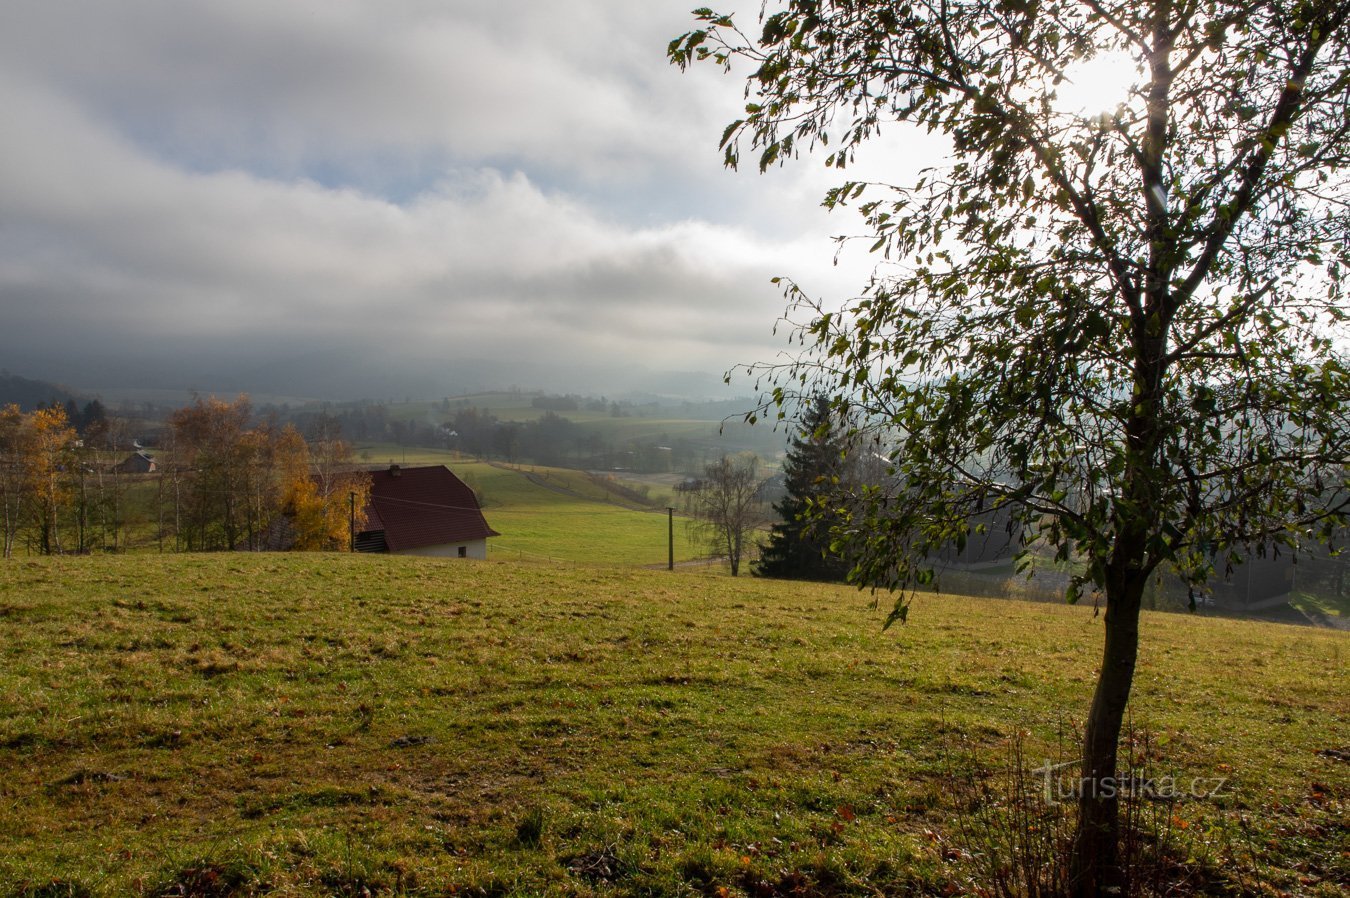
[(463, 551)]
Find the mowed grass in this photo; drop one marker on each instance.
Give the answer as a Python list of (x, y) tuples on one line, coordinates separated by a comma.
[(338, 725), (563, 515)]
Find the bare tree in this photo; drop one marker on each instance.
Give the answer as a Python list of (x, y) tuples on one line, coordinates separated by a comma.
[(726, 508)]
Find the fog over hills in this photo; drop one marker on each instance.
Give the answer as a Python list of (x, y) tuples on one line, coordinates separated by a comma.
[(338, 199), (348, 372)]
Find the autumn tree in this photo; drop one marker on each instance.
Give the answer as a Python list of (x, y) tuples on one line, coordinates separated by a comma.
[(320, 496), (343, 489), (13, 449), (1125, 331), (225, 472), (48, 461), (726, 508), (38, 468), (255, 467), (330, 455)]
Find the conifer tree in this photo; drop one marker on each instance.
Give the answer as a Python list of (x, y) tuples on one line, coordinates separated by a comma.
[(799, 544)]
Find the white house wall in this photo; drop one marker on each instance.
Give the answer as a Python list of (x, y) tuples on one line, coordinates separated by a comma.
[(474, 549)]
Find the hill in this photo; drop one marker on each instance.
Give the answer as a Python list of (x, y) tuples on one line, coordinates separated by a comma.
[(29, 394), (651, 436), (346, 725)]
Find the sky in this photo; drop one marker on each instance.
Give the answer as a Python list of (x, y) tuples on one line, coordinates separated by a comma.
[(367, 198)]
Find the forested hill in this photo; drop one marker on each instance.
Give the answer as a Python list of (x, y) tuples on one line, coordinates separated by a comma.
[(29, 394)]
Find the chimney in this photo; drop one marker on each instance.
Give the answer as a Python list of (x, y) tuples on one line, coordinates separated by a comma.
[(394, 470)]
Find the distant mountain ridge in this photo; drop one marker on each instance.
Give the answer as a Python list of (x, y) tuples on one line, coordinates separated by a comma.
[(29, 394)]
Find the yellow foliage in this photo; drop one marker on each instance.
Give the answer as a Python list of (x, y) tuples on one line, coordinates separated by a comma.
[(320, 507), (37, 454)]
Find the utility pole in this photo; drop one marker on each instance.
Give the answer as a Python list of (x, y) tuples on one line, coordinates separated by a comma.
[(159, 508), (83, 504), (670, 519)]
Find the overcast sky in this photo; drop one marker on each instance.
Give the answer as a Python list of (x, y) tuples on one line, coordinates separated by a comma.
[(416, 196)]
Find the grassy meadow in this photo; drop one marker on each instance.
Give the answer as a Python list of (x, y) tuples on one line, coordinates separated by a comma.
[(307, 725), (558, 514), (561, 515)]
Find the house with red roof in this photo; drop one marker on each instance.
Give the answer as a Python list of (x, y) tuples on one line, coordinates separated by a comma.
[(423, 511)]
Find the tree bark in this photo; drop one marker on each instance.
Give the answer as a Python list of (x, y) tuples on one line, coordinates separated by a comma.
[(1094, 865)]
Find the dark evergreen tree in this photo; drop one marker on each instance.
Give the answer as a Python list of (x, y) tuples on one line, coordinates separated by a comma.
[(799, 545), (93, 419)]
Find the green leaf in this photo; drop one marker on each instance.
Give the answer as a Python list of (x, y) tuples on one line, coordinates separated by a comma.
[(900, 612)]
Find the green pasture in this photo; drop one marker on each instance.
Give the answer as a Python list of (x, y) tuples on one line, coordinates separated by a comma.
[(337, 725), (563, 515), (560, 514)]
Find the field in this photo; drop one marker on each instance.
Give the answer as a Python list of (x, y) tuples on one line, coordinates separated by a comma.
[(543, 514), (718, 427), (556, 514), (350, 725)]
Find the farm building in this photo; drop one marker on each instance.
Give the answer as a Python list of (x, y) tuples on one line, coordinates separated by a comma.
[(423, 511), (136, 463)]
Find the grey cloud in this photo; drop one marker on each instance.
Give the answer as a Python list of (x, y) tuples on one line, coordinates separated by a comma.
[(276, 85), (195, 191)]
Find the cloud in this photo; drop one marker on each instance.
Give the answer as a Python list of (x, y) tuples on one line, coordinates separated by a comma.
[(580, 91), (508, 189)]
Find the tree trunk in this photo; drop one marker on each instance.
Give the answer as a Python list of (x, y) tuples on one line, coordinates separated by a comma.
[(1094, 866), (10, 526)]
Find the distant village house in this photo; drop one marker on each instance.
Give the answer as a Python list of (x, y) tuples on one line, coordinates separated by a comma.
[(137, 463)]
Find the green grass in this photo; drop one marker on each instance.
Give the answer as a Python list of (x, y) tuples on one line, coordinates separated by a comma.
[(335, 725), (539, 522), (1325, 605), (563, 515), (377, 454)]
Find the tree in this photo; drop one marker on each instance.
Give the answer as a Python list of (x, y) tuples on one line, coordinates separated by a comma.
[(103, 484), (13, 449), (318, 498), (726, 507), (38, 461), (1126, 330), (48, 460), (815, 470), (94, 425), (226, 469)]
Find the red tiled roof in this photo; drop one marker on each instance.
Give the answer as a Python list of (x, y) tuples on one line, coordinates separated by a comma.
[(426, 506)]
